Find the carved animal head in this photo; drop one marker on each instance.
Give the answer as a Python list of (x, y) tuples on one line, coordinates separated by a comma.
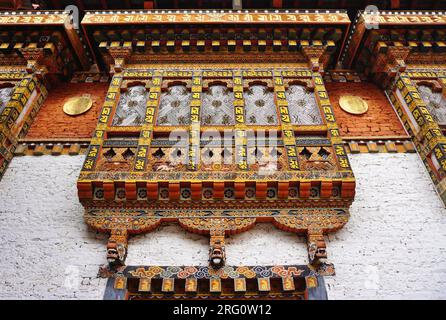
[(116, 253), (217, 256), (317, 251)]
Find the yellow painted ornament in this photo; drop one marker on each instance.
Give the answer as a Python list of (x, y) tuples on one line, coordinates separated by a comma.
[(353, 104), (77, 105)]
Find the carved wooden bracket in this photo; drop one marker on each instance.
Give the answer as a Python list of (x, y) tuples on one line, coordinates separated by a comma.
[(314, 227), (34, 58), (314, 55), (392, 61), (121, 56), (217, 228), (119, 226)]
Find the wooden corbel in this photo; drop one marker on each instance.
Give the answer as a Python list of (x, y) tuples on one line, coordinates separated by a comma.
[(314, 55), (34, 58), (120, 56), (217, 254), (117, 247), (392, 61)]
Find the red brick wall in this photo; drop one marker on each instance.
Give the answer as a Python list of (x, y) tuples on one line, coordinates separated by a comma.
[(52, 122), (381, 120)]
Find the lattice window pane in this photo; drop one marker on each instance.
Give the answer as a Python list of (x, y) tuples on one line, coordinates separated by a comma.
[(260, 107), (174, 106), (435, 103), (131, 108), (302, 106), (5, 96), (217, 106)]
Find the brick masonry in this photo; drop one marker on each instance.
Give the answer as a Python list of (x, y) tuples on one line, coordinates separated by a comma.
[(380, 120), (52, 122), (393, 246)]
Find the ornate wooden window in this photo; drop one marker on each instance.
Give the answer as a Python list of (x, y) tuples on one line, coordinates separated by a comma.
[(200, 82), (435, 103), (131, 107), (302, 106), (217, 106), (260, 107), (174, 108), (5, 96)]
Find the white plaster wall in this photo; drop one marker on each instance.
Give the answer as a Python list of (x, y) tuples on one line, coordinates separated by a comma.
[(393, 246), (170, 245), (46, 250)]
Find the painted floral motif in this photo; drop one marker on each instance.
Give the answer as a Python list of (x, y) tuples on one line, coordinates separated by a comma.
[(217, 106), (302, 106), (5, 95), (174, 107), (260, 107), (435, 103)]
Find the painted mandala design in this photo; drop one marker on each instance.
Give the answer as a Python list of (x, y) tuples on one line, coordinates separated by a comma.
[(132, 107), (186, 193), (302, 106), (174, 107), (435, 103), (229, 193), (217, 106), (271, 193), (260, 107)]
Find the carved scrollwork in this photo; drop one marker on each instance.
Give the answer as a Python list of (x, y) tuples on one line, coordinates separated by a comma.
[(132, 222), (328, 222), (208, 225)]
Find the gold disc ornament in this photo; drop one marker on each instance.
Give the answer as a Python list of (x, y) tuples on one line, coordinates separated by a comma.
[(77, 105), (353, 104)]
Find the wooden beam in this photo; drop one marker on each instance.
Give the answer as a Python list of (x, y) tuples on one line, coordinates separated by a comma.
[(395, 4), (56, 4), (277, 4), (149, 5), (80, 5), (104, 4), (237, 5)]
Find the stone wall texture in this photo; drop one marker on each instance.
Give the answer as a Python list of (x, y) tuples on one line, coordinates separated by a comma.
[(394, 246)]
